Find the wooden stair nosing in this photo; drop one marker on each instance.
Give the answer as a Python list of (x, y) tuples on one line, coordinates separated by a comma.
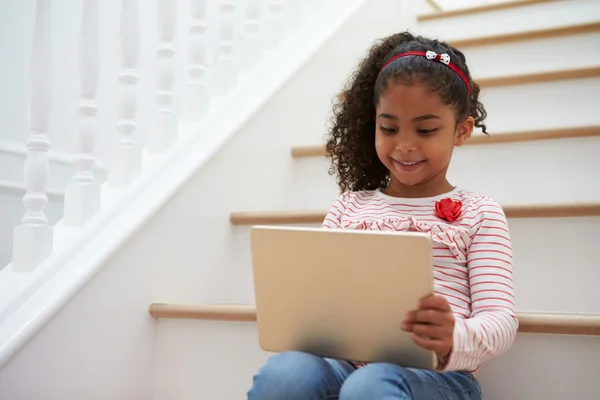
[(527, 35), (566, 324), (480, 9), (540, 77), (317, 217), (435, 5), (478, 139)]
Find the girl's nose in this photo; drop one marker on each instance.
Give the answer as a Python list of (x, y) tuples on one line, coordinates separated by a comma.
[(405, 144)]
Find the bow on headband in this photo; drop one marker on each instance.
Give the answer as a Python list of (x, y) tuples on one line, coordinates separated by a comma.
[(432, 55)]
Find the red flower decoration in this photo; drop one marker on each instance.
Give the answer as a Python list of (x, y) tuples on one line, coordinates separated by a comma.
[(448, 209)]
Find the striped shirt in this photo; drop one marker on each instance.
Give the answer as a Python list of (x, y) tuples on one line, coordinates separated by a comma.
[(472, 260)]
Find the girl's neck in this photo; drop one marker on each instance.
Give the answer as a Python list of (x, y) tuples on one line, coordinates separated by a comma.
[(422, 190)]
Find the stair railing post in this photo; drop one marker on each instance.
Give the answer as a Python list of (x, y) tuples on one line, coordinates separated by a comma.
[(33, 238), (225, 67), (127, 161), (82, 194), (197, 97), (250, 52), (164, 132)]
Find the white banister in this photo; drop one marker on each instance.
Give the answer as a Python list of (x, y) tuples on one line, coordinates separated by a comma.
[(82, 194), (225, 67), (33, 238), (127, 162), (251, 51), (164, 132), (274, 28), (197, 98)]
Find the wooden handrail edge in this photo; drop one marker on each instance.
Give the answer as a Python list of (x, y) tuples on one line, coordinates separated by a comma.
[(534, 34), (481, 139), (317, 216), (565, 324)]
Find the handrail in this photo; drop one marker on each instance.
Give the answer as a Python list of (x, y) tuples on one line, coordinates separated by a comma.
[(478, 139), (479, 9), (574, 29), (562, 324), (512, 211)]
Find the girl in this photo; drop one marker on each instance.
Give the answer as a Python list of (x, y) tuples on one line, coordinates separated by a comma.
[(406, 107)]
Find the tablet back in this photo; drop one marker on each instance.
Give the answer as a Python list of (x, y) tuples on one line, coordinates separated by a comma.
[(341, 293)]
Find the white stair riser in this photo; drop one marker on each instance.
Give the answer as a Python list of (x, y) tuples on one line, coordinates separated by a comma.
[(219, 359), (542, 105), (533, 56), (485, 168), (514, 108), (562, 280), (544, 367), (206, 360), (539, 16), (515, 173)]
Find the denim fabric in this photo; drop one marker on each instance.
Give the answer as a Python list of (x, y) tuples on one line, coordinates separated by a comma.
[(302, 376)]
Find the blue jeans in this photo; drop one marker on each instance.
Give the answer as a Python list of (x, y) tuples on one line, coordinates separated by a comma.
[(301, 376)]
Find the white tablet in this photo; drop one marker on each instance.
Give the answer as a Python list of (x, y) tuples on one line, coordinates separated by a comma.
[(341, 293)]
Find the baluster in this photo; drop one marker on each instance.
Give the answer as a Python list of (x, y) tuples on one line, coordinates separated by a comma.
[(274, 29), (250, 51), (126, 165), (164, 132), (33, 238), (225, 67), (82, 195), (197, 100)]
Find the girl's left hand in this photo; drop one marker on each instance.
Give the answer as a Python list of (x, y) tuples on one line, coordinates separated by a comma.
[(432, 325)]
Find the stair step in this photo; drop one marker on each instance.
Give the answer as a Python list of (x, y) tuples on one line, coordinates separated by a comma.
[(480, 9), (563, 324), (574, 29), (536, 77), (540, 77), (477, 139), (514, 211)]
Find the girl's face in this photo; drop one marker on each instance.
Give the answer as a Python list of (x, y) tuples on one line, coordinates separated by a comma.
[(415, 135)]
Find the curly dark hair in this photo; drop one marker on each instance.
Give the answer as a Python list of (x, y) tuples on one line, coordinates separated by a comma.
[(351, 139)]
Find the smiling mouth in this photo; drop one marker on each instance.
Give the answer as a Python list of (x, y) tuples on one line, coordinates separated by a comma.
[(408, 165)]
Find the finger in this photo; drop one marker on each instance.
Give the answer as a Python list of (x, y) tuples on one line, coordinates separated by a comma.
[(434, 317), (435, 302), (436, 345), (432, 331), (407, 326)]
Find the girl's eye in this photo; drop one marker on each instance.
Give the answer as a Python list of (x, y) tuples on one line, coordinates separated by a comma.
[(387, 130), (427, 131)]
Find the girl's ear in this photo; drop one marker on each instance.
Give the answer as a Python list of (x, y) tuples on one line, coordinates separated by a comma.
[(464, 130)]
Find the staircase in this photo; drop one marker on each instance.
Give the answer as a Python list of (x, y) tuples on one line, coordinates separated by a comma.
[(156, 301)]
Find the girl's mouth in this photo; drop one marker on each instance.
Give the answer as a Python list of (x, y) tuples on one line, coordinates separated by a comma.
[(407, 166)]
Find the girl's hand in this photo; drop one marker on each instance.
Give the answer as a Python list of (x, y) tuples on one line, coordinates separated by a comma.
[(432, 325)]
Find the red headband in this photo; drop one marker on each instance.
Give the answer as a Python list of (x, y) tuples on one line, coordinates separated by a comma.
[(432, 55)]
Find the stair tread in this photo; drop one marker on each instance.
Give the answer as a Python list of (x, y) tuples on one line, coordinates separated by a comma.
[(574, 324), (533, 34), (480, 138), (480, 9), (548, 210)]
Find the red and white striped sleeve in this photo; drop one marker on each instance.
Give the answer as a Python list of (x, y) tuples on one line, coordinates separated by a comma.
[(334, 216), (492, 326)]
